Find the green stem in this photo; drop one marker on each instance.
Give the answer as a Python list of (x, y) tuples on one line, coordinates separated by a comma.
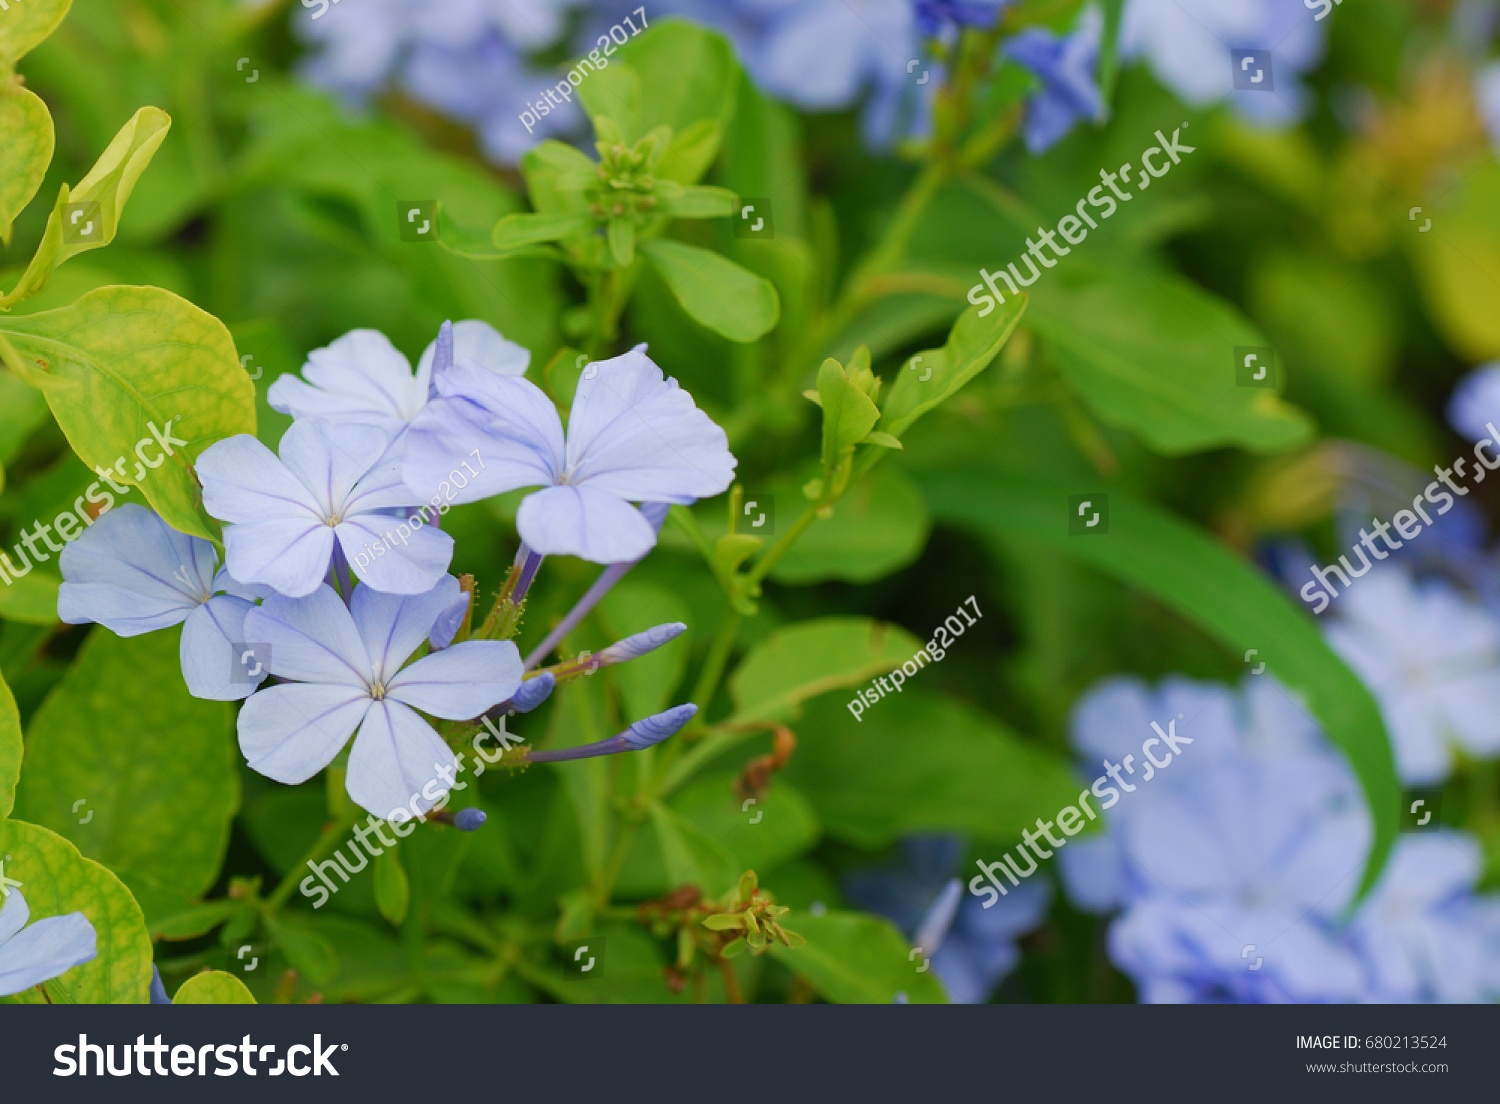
[(331, 837), (783, 545)]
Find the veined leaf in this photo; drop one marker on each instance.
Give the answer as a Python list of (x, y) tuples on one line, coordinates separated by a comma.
[(123, 360), (852, 958), (518, 231), (57, 880)]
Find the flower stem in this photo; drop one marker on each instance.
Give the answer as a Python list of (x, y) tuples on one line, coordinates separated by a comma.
[(330, 839)]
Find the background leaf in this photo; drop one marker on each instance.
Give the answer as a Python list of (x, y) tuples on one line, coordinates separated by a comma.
[(57, 880), (156, 767), (851, 958)]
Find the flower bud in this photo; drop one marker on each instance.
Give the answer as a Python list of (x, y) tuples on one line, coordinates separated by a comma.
[(469, 820)]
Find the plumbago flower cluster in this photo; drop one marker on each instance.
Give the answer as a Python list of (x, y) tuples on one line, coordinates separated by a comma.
[(326, 640)]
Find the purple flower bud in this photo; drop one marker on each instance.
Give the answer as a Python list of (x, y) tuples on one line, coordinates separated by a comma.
[(469, 820), (633, 647), (653, 730), (533, 692)]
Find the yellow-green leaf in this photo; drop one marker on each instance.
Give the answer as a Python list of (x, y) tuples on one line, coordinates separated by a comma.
[(10, 749), (99, 197), (26, 141), (213, 987), (123, 360), (57, 880), (25, 26)]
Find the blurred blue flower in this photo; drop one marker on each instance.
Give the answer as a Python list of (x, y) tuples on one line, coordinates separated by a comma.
[(1231, 871), (633, 436), (1067, 68), (133, 573), (1432, 660), (936, 16), (1475, 402), (332, 484), (344, 666), (972, 948), (1188, 44), (47, 949)]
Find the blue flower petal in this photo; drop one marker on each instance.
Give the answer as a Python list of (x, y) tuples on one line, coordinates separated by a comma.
[(396, 757), (393, 626), (312, 639), (47, 949), (290, 732), (133, 573), (460, 682), (585, 522), (210, 637)]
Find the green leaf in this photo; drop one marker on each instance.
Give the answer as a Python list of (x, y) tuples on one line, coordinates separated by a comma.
[(848, 414), (519, 231), (158, 794), (31, 599), (1193, 574), (701, 203), (685, 73), (614, 93), (392, 894), (814, 657), (972, 344), (878, 527), (213, 987), (1153, 353), (556, 175), (122, 360), (27, 25), (715, 291), (918, 762), (852, 958), (196, 920), (691, 857), (109, 184), (26, 142), (773, 829), (691, 152), (10, 749), (56, 880), (308, 952)]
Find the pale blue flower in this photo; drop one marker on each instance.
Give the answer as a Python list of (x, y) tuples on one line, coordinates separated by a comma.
[(1423, 933), (1188, 45), (332, 484), (46, 950), (1432, 660), (1067, 68), (1475, 402), (133, 573), (345, 667), (362, 377), (632, 436), (1232, 868)]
